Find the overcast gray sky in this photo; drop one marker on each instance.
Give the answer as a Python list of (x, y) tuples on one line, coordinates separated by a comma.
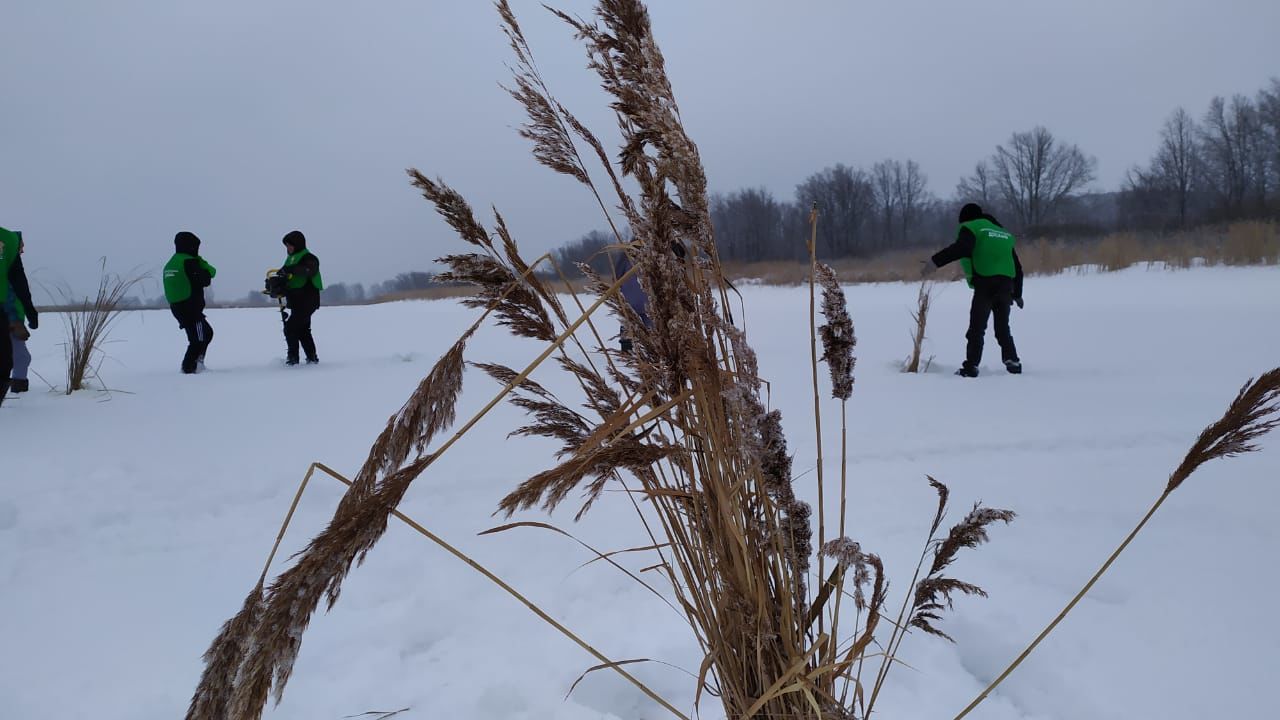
[(126, 121)]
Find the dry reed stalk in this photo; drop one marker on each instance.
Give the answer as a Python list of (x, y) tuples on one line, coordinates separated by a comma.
[(812, 246), (1254, 413), (920, 316), (838, 339), (838, 342)]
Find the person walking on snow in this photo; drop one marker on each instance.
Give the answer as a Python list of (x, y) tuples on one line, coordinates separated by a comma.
[(20, 312), (301, 272), (12, 276), (186, 275), (991, 266)]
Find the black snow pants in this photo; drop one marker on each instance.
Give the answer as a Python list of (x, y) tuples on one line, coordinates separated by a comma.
[(199, 335), (297, 331), (991, 296)]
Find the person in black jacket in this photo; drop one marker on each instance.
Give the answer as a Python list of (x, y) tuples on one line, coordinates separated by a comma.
[(986, 252), (301, 273), (14, 280), (186, 275), (20, 310)]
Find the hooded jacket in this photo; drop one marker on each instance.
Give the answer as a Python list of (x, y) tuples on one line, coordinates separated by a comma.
[(186, 275)]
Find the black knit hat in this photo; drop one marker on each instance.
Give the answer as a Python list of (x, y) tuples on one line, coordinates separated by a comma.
[(186, 242), (971, 211), (296, 239)]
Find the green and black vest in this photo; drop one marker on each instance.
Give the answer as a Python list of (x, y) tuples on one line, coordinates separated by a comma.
[(9, 245), (297, 281), (992, 251), (177, 286)]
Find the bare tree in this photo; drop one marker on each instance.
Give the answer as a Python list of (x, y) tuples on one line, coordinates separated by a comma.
[(979, 187), (846, 200), (589, 249), (1269, 120), (1224, 151), (1254, 152), (900, 191), (1177, 162), (911, 187), (1142, 200), (1035, 174), (884, 176), (749, 225)]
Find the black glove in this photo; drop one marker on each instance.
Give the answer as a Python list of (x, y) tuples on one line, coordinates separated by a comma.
[(33, 318), (1018, 301)]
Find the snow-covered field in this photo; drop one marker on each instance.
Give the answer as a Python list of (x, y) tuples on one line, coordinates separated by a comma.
[(132, 524)]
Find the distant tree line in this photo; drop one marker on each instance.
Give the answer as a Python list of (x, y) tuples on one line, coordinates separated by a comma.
[(1224, 167), (866, 211), (863, 212)]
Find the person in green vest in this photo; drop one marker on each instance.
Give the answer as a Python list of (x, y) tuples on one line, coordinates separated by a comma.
[(21, 313), (991, 266), (12, 276), (186, 275), (301, 273)]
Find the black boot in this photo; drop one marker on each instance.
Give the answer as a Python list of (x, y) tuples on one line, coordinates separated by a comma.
[(967, 370), (309, 347), (291, 347), (4, 390), (1013, 366), (19, 385)]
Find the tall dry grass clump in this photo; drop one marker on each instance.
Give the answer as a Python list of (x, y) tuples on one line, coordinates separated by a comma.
[(679, 422), (920, 322), (1251, 243), (88, 322), (1118, 251)]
